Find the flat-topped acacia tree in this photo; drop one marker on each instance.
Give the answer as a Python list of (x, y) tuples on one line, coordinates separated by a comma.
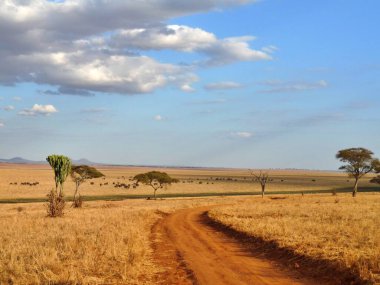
[(155, 179), (61, 166), (79, 174), (359, 162)]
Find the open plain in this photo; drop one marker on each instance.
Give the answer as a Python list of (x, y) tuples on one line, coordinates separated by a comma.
[(213, 225)]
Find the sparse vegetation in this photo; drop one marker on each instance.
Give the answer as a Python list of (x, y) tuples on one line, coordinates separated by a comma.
[(61, 166), (342, 232), (359, 162), (262, 178), (155, 179), (79, 174), (53, 252), (377, 178)]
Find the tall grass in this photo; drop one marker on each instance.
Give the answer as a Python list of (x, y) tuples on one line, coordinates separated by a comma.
[(106, 245), (339, 229)]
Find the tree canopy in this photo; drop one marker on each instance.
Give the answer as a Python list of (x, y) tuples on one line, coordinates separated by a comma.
[(359, 161), (377, 170), (84, 172), (61, 166), (79, 174), (155, 179)]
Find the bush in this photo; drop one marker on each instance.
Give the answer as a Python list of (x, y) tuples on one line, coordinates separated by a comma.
[(55, 204)]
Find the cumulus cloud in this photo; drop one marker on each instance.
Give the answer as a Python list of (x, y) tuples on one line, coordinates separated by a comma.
[(243, 135), (36, 110), (188, 39), (8, 108), (224, 85), (276, 86), (80, 47)]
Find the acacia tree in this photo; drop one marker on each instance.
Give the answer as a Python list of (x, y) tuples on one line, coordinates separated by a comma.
[(262, 178), (79, 174), (155, 179), (61, 166), (377, 170), (359, 162)]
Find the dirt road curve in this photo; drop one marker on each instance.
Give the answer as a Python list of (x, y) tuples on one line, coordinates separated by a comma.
[(194, 252)]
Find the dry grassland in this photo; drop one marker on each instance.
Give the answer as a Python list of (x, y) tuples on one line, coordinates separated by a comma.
[(339, 229), (108, 242), (191, 181), (103, 243)]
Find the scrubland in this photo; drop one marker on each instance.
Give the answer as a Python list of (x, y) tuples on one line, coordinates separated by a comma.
[(340, 230)]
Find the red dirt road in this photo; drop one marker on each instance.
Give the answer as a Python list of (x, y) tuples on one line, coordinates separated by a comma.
[(194, 252)]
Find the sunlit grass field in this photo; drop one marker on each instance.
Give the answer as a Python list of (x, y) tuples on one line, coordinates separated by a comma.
[(102, 243), (192, 182), (338, 229), (108, 242)]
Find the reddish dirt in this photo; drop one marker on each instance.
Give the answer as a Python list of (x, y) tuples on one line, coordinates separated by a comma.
[(192, 251)]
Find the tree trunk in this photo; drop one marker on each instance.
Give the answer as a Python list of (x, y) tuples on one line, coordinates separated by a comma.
[(355, 187), (262, 191), (154, 194), (76, 189)]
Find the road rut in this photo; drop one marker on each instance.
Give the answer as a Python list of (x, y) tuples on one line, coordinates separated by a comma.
[(192, 251)]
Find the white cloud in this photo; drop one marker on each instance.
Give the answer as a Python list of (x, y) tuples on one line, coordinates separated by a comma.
[(82, 47), (243, 135), (44, 110), (8, 108), (188, 39), (276, 86), (269, 49), (187, 88), (2, 124), (158, 118), (17, 98), (224, 85)]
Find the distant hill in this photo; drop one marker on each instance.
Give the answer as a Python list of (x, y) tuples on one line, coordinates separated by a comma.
[(20, 160)]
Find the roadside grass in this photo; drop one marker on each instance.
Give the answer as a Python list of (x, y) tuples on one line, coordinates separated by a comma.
[(340, 231), (102, 243)]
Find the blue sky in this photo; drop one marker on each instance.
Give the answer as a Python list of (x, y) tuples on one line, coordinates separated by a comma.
[(267, 84)]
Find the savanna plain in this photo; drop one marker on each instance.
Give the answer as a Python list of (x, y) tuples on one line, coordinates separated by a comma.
[(307, 222)]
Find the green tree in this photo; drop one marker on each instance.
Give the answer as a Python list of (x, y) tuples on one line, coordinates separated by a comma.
[(79, 174), (155, 179), (377, 170), (359, 162), (61, 166)]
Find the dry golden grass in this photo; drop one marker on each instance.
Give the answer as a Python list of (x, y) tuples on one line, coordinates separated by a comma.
[(240, 181), (108, 242), (103, 243), (340, 229)]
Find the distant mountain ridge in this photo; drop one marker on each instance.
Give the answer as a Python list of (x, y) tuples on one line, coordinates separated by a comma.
[(20, 160)]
